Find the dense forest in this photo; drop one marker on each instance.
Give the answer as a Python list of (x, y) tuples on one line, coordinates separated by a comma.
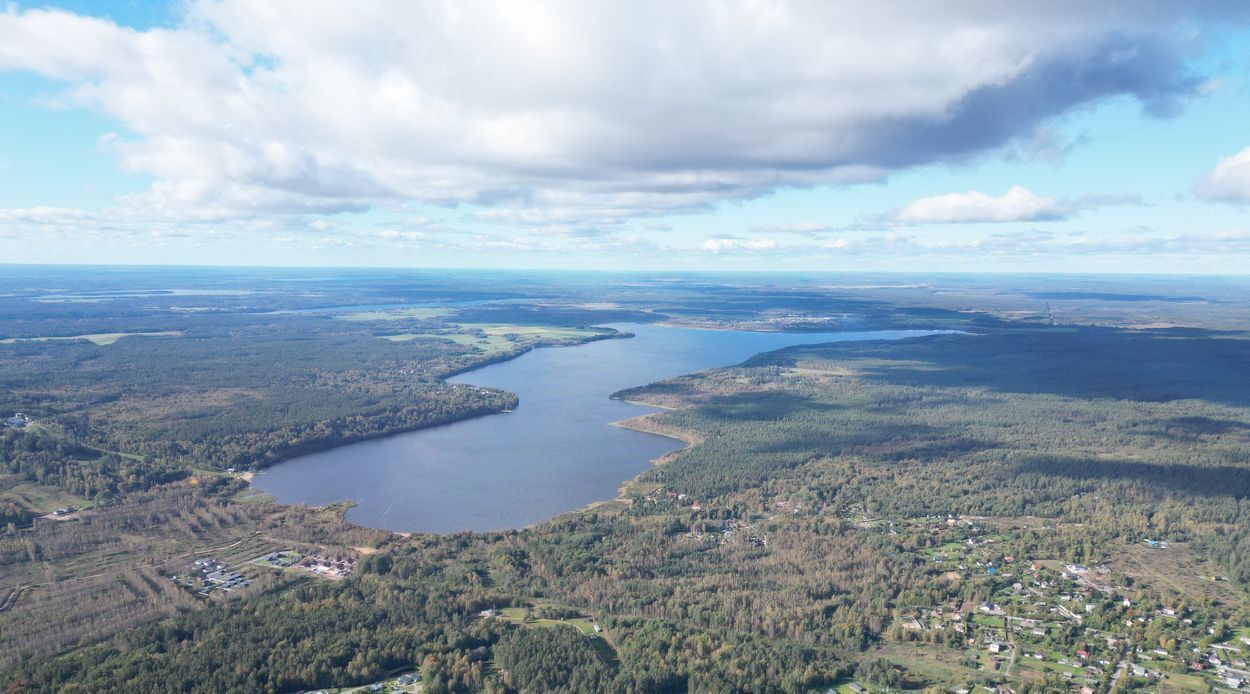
[(840, 511), (82, 471), (246, 391)]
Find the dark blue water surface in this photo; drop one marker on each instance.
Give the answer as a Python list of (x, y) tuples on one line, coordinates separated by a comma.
[(555, 453)]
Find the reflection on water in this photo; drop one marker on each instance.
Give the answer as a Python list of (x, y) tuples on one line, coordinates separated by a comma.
[(555, 453)]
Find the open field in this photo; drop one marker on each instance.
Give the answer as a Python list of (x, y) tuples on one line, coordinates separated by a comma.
[(405, 337), (39, 499), (500, 338), (490, 344), (516, 615), (111, 567), (396, 314), (95, 338), (1045, 666), (1180, 568), (252, 495), (87, 581), (1183, 683), (939, 664), (538, 332)]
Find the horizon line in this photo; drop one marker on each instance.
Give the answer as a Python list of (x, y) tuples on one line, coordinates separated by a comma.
[(1015, 273)]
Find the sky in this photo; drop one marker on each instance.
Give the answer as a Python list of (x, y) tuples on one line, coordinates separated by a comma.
[(1063, 136)]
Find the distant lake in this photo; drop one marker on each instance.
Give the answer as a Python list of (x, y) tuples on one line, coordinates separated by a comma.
[(555, 453)]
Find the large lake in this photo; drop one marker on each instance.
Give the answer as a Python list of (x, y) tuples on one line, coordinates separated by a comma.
[(555, 453)]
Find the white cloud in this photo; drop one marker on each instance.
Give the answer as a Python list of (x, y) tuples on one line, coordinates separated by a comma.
[(807, 228), (1024, 245), (405, 235), (723, 244), (1018, 204), (582, 113), (1229, 181)]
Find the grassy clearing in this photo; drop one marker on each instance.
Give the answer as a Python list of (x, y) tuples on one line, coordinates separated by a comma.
[(41, 499), (1044, 666), (599, 640), (1179, 567), (989, 620), (937, 664), (516, 615), (953, 552), (496, 338), (538, 332), (493, 338), (488, 344), (95, 338), (1184, 683), (397, 314), (252, 495)]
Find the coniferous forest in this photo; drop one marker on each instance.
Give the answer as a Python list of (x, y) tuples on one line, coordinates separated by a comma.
[(974, 508)]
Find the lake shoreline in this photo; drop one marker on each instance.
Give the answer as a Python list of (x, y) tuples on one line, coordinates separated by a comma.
[(641, 425), (520, 471), (323, 446), (645, 424)]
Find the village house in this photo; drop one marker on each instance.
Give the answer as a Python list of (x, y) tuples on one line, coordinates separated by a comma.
[(19, 420)]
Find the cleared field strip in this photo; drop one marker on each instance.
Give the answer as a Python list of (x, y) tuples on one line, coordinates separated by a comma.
[(95, 338)]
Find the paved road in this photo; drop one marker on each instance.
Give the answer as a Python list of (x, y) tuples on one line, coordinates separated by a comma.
[(1120, 668)]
